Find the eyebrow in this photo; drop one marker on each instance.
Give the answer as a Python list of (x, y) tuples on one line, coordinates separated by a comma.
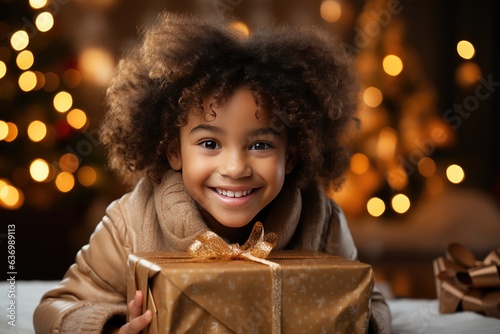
[(215, 129)]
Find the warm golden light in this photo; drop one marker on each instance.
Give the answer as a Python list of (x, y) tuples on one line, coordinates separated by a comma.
[(387, 142), (434, 185), (87, 176), (372, 97), (393, 65), (400, 203), (11, 197), (77, 118), (37, 131), (39, 170), (19, 40), (426, 167), (455, 174), (72, 78), (465, 49), (13, 132), (375, 207), (330, 11), (27, 81), (44, 22), (63, 101), (25, 59), (468, 74), (65, 182), (96, 65), (4, 130), (240, 27), (359, 163), (3, 69), (37, 4), (69, 162)]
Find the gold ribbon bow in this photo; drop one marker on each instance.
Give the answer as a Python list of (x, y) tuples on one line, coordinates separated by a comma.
[(466, 284), (209, 245)]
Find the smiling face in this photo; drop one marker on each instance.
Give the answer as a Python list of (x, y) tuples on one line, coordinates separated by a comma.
[(233, 165)]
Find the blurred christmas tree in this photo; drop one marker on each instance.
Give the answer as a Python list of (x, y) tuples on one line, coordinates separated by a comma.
[(402, 135), (47, 149)]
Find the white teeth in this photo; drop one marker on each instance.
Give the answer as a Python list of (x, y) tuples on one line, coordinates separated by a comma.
[(230, 193)]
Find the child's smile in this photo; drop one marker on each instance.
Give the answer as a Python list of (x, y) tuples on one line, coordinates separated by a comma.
[(233, 164)]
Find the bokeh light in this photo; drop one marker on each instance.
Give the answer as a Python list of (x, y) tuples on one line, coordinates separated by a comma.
[(44, 22), (375, 207), (393, 65), (240, 27), (77, 118), (37, 4), (468, 74), (37, 130), (69, 162), (455, 174), (65, 182), (400, 203), (51, 82), (87, 176), (12, 132), (96, 65), (359, 163), (426, 167), (19, 40), (465, 49), (72, 78), (372, 96), (4, 130), (39, 170), (63, 101), (387, 143), (11, 197), (25, 59), (3, 69), (330, 11), (27, 81)]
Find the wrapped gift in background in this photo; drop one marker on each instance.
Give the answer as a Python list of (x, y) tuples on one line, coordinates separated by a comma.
[(466, 284), (317, 293)]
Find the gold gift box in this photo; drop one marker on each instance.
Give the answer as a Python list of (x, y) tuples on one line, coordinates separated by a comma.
[(319, 293)]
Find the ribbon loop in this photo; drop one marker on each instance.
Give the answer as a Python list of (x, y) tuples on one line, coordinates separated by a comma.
[(465, 283)]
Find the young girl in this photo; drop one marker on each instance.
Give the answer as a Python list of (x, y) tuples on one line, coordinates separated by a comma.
[(216, 131)]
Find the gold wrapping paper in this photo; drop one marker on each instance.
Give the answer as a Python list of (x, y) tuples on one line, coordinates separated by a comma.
[(466, 284), (319, 293)]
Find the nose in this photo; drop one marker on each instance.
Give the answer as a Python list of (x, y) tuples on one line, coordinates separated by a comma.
[(236, 165)]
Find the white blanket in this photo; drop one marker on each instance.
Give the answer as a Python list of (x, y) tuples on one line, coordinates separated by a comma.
[(409, 315)]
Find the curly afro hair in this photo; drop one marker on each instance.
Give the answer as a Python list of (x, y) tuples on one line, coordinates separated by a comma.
[(301, 75)]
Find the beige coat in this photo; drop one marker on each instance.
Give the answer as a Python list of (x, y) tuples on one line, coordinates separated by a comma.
[(164, 217)]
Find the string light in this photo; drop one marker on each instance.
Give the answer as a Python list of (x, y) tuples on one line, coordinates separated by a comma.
[(37, 4), (65, 181), (375, 207), (3, 69), (465, 49), (400, 203), (69, 162), (77, 118), (63, 101), (13, 132), (330, 11), (27, 81), (87, 176), (11, 197), (455, 174), (37, 130), (4, 130), (393, 65), (44, 22), (372, 96), (39, 170), (359, 163), (25, 59), (19, 40)]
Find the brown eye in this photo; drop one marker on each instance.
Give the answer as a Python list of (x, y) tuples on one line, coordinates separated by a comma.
[(210, 145), (260, 146)]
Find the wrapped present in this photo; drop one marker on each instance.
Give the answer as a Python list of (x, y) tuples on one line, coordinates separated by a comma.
[(466, 284), (220, 288)]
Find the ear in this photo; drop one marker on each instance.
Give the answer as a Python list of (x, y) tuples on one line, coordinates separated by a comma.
[(174, 155), (291, 159)]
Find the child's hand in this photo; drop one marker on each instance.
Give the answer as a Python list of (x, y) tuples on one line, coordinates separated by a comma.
[(137, 321)]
